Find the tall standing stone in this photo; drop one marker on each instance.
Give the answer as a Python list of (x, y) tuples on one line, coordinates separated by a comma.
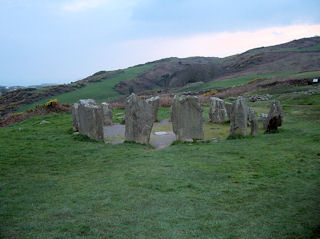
[(253, 121), (238, 117), (75, 116), (139, 120), (228, 109), (107, 114), (275, 116), (155, 102), (90, 119), (217, 113), (186, 117)]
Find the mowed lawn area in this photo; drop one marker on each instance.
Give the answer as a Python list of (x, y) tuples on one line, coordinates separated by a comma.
[(54, 184)]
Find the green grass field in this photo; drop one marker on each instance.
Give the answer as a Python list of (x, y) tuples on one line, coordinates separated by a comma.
[(54, 184), (100, 91)]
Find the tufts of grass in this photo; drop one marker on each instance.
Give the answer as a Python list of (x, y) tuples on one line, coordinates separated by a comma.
[(55, 186)]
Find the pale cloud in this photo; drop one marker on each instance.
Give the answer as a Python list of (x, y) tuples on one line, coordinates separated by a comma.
[(213, 44), (81, 5)]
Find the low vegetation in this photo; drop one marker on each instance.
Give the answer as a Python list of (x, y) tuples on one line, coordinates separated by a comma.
[(54, 184), (99, 91)]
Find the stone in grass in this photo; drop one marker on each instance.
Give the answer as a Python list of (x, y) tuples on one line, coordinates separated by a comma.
[(214, 140), (90, 119), (217, 113), (238, 118), (44, 122), (275, 117), (107, 114), (155, 102), (139, 120), (253, 121), (186, 118), (75, 116)]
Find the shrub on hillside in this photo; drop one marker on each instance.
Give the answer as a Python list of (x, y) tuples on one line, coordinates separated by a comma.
[(166, 100), (204, 99), (51, 106), (209, 93), (118, 105)]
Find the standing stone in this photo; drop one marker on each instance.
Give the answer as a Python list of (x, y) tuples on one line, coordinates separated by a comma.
[(107, 114), (186, 117), (228, 109), (75, 116), (238, 120), (253, 121), (139, 120), (275, 116), (217, 113), (155, 102), (91, 119)]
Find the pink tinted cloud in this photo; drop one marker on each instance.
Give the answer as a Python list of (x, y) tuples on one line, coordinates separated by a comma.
[(213, 44)]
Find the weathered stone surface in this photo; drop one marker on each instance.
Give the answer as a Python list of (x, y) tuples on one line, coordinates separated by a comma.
[(139, 120), (186, 117), (255, 98), (107, 114), (275, 116), (238, 117), (90, 119), (253, 121), (217, 113), (44, 122), (155, 102), (228, 107), (75, 116)]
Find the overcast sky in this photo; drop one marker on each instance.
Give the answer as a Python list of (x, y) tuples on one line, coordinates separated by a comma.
[(58, 41)]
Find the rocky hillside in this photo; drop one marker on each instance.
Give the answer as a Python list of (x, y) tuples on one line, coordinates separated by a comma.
[(13, 100), (297, 56), (172, 74)]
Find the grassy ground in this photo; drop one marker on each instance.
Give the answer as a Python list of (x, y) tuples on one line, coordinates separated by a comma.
[(54, 184), (100, 91)]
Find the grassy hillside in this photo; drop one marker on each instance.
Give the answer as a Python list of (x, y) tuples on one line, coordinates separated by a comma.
[(180, 74), (242, 80), (54, 184), (100, 91)]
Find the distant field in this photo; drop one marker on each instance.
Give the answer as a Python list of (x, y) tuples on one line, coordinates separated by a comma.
[(306, 75), (103, 91), (100, 91), (54, 184), (237, 81), (313, 48), (242, 80)]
